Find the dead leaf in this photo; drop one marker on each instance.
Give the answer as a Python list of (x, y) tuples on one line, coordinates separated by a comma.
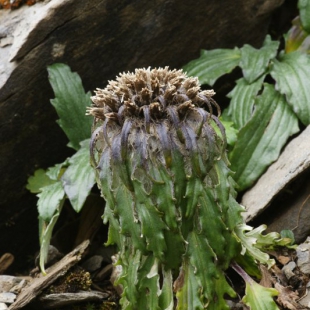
[(283, 259), (266, 279), (287, 297)]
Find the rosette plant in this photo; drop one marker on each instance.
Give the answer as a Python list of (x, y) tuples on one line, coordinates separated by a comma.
[(159, 153)]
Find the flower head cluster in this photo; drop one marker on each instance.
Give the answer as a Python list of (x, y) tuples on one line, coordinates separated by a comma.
[(156, 112)]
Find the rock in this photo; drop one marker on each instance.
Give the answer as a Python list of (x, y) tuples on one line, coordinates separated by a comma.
[(3, 306), (7, 297), (8, 282), (305, 300), (104, 273), (64, 299), (53, 255), (294, 160), (303, 256), (288, 270), (17, 288), (93, 263)]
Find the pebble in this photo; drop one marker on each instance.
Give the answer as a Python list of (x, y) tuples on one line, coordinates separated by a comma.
[(17, 288), (288, 270), (93, 263), (8, 282), (303, 256), (3, 306), (7, 297)]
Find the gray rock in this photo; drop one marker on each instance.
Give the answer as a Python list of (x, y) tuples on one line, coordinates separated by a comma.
[(305, 300), (303, 256), (7, 297), (8, 282), (288, 270), (3, 306), (93, 263), (294, 160), (17, 288)]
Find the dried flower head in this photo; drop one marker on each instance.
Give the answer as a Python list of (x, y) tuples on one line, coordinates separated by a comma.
[(155, 112)]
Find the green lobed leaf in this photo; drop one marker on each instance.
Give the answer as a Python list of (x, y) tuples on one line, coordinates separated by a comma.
[(249, 244), (127, 218), (258, 297), (152, 225), (105, 183), (130, 261), (215, 230), (213, 64), (202, 258), (188, 289), (50, 199), (254, 62), (163, 194), (79, 177), (292, 75), (70, 103), (243, 96), (262, 138), (213, 286), (267, 241), (38, 181), (148, 284), (166, 298), (304, 12)]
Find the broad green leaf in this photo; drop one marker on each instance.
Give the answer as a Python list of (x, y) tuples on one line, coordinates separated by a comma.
[(37, 181), (46, 230), (213, 64), (241, 105), (262, 138), (254, 62), (50, 198), (79, 178), (292, 75), (70, 103), (304, 12), (258, 297)]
